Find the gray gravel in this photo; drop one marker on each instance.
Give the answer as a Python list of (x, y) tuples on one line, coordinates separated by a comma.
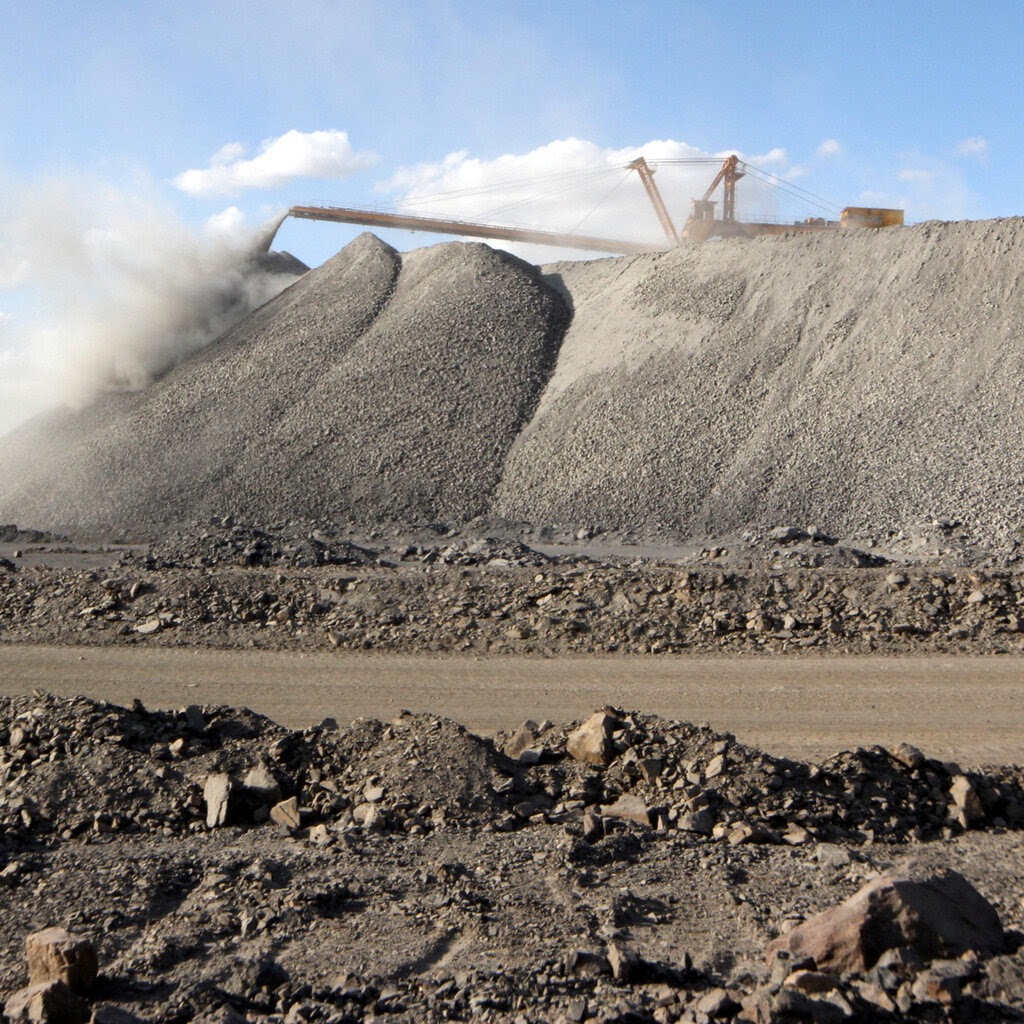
[(852, 380), (377, 385), (857, 381)]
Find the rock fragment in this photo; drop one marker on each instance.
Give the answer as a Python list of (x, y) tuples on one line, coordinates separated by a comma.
[(624, 961), (261, 785), (217, 795), (630, 807), (55, 954), (935, 913), (591, 742), (49, 1002), (966, 804), (286, 814)]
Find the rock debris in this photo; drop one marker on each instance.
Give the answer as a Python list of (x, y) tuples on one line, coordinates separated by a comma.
[(206, 864)]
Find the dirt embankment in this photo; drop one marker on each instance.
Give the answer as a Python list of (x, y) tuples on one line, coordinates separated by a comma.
[(851, 380), (631, 869), (489, 598)]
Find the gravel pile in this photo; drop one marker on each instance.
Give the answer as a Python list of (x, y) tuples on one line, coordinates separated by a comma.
[(377, 385), (70, 766), (225, 543), (854, 380), (857, 381), (242, 590), (217, 867)]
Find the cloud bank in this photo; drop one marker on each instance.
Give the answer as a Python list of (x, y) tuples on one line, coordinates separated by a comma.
[(321, 154)]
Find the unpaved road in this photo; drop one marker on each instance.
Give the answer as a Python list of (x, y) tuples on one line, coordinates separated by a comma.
[(967, 709)]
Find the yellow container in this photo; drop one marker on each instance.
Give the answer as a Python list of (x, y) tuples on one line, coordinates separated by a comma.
[(870, 217)]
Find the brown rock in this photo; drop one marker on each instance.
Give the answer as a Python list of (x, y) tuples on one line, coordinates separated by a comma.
[(943, 980), (908, 755), (696, 821), (624, 961), (967, 807), (811, 982), (583, 962), (55, 954), (286, 814), (593, 829), (591, 742), (630, 807), (50, 1002), (261, 784), (716, 1002), (522, 739), (747, 832), (938, 914)]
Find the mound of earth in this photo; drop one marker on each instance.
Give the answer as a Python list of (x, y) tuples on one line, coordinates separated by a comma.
[(378, 385), (626, 868), (856, 380)]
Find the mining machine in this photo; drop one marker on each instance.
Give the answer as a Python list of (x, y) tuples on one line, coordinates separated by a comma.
[(701, 225)]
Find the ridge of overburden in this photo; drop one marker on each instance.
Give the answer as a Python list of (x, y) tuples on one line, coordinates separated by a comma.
[(853, 380)]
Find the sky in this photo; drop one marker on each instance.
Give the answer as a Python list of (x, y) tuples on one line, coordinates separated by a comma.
[(134, 137)]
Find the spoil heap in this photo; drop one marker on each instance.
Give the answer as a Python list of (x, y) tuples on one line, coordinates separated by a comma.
[(628, 868), (380, 385), (854, 380)]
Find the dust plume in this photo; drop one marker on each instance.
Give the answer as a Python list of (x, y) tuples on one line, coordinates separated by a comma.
[(112, 290)]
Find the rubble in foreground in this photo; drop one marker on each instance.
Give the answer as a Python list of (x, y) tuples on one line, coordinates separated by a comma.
[(624, 868)]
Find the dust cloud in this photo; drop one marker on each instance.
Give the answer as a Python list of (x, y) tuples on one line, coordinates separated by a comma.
[(112, 290)]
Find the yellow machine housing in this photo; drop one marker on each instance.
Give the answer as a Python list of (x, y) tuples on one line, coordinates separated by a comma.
[(870, 217)]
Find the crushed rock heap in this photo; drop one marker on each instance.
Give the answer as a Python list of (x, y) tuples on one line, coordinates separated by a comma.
[(855, 380), (207, 864), (383, 386)]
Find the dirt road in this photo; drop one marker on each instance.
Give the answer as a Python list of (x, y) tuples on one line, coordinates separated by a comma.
[(968, 709)]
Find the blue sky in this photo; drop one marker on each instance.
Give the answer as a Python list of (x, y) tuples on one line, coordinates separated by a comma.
[(266, 103)]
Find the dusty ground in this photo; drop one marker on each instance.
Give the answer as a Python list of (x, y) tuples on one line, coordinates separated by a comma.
[(437, 876), (958, 708), (478, 894)]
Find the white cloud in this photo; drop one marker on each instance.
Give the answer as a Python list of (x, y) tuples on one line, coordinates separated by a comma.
[(830, 147), (572, 185), (934, 188), (974, 146), (916, 174), (776, 157), (321, 154)]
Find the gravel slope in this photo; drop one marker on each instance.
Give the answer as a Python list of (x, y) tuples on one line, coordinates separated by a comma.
[(377, 384), (853, 380), (856, 381)]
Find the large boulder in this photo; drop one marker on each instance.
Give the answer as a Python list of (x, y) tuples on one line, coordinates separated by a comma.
[(939, 914), (592, 741)]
